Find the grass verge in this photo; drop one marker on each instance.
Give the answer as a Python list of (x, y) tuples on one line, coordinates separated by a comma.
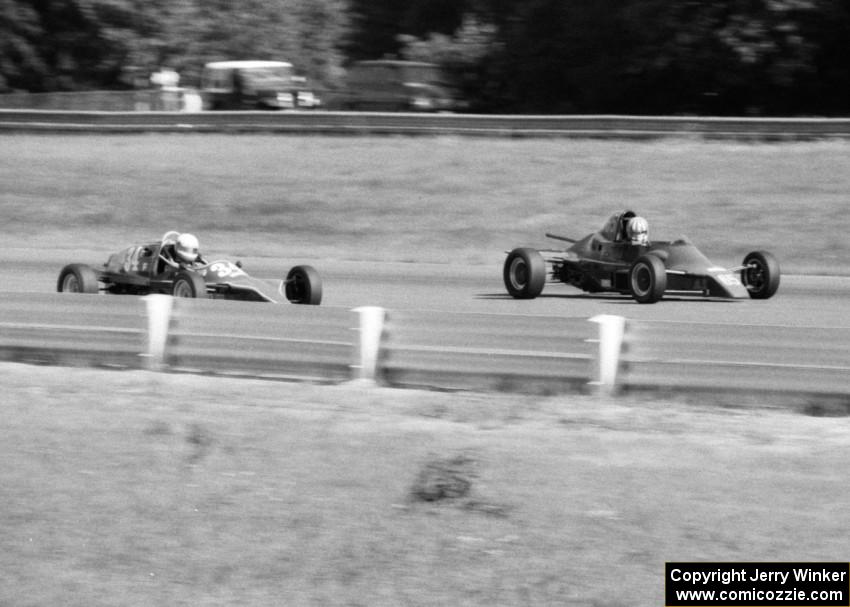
[(440, 199), (136, 488)]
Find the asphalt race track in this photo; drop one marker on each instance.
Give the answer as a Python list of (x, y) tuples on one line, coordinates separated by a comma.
[(815, 301)]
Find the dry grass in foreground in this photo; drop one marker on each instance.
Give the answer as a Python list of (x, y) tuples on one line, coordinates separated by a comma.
[(133, 488)]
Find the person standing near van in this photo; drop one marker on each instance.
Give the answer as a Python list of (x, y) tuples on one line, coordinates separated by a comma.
[(169, 92), (238, 88)]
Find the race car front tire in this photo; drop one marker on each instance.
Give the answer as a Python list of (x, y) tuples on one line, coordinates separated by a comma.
[(304, 286), (524, 273), (77, 278), (189, 284), (760, 274), (647, 279)]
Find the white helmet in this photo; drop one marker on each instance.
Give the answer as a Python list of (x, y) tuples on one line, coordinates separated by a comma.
[(638, 230), (187, 247)]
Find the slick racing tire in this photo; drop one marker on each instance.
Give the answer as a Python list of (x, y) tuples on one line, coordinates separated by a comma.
[(524, 273), (77, 278), (760, 274), (189, 284), (647, 279), (304, 286)]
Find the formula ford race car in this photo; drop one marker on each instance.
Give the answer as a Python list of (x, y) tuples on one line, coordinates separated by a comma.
[(616, 259), (141, 269)]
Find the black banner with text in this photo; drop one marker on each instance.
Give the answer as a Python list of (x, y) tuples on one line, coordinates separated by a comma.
[(757, 584)]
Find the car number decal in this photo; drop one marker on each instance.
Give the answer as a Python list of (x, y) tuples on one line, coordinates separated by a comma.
[(225, 269), (130, 263), (730, 280)]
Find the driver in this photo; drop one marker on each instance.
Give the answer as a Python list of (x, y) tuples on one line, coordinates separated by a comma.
[(183, 253), (637, 231)]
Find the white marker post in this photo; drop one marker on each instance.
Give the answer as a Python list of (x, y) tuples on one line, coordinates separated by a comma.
[(611, 331), (371, 330), (159, 317)]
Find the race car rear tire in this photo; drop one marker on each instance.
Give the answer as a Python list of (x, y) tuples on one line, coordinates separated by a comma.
[(524, 273), (189, 284), (647, 279), (304, 286), (77, 278), (760, 274)]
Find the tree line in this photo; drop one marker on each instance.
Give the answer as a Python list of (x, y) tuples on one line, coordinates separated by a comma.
[(709, 57)]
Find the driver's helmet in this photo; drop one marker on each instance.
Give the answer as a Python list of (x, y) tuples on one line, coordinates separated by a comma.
[(637, 230), (187, 247)]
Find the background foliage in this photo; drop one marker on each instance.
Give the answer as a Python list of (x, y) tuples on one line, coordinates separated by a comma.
[(725, 57)]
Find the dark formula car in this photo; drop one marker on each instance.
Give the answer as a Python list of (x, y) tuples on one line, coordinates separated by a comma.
[(139, 270), (610, 261)]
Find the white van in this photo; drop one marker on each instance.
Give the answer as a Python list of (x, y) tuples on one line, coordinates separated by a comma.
[(254, 85)]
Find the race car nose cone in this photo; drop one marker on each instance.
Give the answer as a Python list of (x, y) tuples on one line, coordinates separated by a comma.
[(727, 284)]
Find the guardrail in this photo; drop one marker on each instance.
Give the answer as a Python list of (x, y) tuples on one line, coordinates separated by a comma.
[(58, 330), (421, 348), (136, 100), (299, 342), (375, 123), (718, 357), (487, 351)]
